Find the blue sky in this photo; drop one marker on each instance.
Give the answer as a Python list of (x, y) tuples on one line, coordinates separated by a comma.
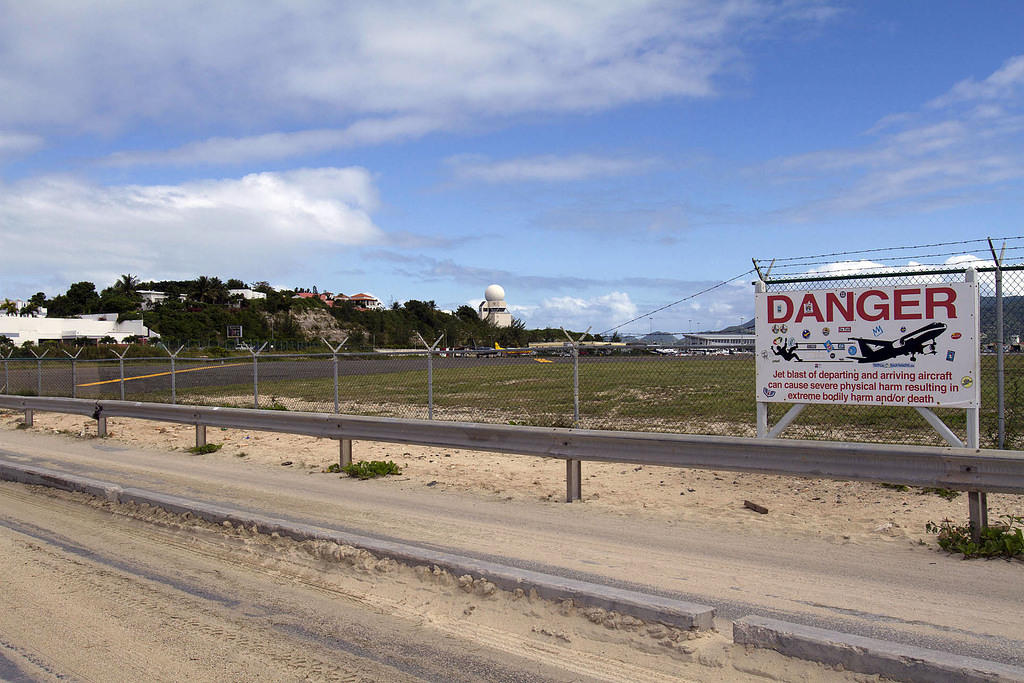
[(597, 159)]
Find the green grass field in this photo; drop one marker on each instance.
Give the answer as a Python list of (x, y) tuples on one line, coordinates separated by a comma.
[(699, 395)]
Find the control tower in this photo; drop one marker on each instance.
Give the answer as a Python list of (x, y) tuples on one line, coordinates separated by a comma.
[(494, 308)]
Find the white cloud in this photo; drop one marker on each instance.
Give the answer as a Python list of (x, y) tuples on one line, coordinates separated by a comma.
[(399, 67), (226, 150), (263, 223), (546, 168), (962, 147), (1002, 83), (577, 313), (18, 143)]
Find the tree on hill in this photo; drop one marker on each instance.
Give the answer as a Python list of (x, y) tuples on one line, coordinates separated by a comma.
[(80, 298), (127, 284)]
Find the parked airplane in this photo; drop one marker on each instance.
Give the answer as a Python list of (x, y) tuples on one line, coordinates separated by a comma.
[(910, 344), (666, 352)]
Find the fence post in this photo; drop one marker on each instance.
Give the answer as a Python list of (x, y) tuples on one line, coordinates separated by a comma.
[(174, 357), (430, 373), (977, 501), (1000, 340), (574, 468), (256, 374), (7, 376), (39, 370), (120, 365), (334, 359), (74, 372)]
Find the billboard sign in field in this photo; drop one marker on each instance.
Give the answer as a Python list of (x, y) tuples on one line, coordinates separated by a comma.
[(234, 332), (910, 345)]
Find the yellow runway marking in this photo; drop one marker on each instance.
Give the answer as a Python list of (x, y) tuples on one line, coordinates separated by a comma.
[(542, 360), (161, 374)]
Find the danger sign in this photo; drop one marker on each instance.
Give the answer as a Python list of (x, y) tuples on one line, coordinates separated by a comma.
[(914, 345)]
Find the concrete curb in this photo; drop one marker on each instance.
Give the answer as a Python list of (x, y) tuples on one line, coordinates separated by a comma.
[(868, 655), (649, 608)]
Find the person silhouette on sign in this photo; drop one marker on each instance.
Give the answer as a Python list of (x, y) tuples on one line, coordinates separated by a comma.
[(787, 352)]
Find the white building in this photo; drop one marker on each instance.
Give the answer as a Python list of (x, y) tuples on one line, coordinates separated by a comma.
[(494, 308), (247, 294), (96, 326), (151, 297)]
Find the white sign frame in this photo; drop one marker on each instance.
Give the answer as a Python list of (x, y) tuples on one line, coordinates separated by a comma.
[(880, 351)]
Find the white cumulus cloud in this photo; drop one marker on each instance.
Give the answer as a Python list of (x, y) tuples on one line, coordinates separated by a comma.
[(59, 229), (285, 76), (578, 313)]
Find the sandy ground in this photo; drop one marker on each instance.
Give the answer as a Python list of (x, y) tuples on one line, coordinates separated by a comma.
[(841, 512), (142, 594)]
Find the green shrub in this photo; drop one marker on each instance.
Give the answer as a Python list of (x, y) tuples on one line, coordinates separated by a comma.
[(998, 540), (948, 494), (368, 469), (207, 448)]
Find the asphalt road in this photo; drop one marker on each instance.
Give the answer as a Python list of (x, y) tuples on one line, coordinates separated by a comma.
[(895, 592)]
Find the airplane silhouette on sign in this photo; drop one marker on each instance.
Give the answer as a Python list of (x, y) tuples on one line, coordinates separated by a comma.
[(910, 344)]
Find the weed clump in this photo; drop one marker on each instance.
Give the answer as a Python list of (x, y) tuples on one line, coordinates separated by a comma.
[(998, 540), (204, 449), (368, 469)]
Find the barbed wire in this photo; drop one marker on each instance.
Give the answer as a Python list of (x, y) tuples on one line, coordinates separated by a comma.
[(674, 303), (983, 242)]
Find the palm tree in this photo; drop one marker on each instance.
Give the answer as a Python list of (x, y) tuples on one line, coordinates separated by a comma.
[(128, 284), (8, 307)]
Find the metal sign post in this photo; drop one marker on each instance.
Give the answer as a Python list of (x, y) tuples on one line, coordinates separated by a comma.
[(39, 370), (74, 372), (430, 373), (120, 364)]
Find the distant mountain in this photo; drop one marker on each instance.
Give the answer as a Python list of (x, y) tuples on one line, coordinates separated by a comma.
[(1013, 317), (742, 328)]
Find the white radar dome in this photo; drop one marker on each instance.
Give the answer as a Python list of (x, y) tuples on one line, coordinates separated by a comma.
[(494, 293)]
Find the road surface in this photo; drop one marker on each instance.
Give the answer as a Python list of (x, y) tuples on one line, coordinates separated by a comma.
[(897, 592)]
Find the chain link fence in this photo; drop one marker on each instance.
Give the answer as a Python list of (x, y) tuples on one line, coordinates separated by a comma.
[(618, 388)]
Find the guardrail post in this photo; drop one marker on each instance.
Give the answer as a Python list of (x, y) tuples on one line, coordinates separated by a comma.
[(74, 372), (430, 373), (334, 359), (345, 452), (120, 365), (573, 480), (39, 370), (28, 417), (574, 468), (200, 435), (101, 426)]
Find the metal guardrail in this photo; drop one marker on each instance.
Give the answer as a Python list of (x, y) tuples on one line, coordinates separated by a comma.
[(953, 468)]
